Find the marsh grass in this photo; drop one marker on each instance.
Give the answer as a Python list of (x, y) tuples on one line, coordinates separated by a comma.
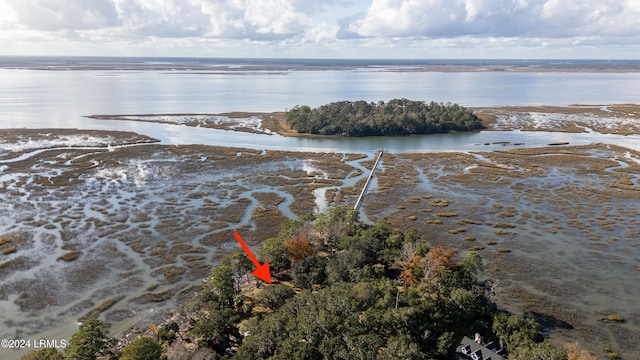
[(9, 250), (446, 214), (510, 212), (504, 225), (155, 296), (137, 248), (192, 257), (171, 273), (615, 318), (268, 198), (104, 306), (469, 221), (70, 256), (198, 269), (458, 230), (182, 248), (633, 234), (576, 224), (542, 218), (439, 203)]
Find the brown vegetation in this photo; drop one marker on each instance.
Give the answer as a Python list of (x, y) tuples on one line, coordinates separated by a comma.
[(70, 256)]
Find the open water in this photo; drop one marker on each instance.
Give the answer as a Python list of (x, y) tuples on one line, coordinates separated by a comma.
[(59, 92)]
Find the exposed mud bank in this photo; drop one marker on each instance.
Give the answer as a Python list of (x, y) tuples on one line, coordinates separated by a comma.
[(621, 119)]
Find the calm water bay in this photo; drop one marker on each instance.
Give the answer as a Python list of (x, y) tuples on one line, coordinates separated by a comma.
[(60, 99), (36, 98)]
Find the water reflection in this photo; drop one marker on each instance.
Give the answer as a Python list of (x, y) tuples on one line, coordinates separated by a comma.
[(475, 141)]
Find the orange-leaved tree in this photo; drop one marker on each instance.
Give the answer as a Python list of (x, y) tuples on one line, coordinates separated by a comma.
[(299, 247), (439, 257)]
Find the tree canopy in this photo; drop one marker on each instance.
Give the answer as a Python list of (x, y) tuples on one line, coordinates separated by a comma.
[(90, 341), (396, 117), (142, 348)]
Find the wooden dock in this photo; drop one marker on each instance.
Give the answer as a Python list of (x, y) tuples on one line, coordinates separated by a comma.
[(366, 184)]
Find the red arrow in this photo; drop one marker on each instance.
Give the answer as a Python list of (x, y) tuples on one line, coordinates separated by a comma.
[(262, 271)]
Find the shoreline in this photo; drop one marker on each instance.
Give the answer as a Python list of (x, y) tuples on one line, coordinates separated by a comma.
[(619, 119)]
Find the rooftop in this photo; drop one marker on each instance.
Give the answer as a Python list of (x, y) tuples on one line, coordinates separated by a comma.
[(471, 350)]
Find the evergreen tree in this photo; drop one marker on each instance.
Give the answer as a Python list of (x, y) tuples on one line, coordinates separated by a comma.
[(44, 354), (90, 341), (142, 348)]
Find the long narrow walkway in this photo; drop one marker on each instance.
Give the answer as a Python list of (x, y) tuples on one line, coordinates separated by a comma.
[(366, 184)]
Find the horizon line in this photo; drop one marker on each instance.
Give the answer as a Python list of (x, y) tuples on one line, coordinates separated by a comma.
[(312, 58)]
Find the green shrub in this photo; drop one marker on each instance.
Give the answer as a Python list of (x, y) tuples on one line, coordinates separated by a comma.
[(142, 348)]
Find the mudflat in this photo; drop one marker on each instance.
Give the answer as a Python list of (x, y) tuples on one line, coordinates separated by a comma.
[(90, 216)]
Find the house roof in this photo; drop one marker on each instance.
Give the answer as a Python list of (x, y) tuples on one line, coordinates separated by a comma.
[(468, 348)]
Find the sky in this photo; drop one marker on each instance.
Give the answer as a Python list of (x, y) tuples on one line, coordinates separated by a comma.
[(438, 29)]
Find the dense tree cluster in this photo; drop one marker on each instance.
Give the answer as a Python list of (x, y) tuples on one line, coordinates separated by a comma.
[(346, 290), (343, 290), (396, 117)]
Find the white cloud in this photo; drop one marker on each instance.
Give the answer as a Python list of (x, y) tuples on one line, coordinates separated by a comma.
[(52, 15), (161, 18), (258, 19), (8, 18), (255, 19), (331, 28), (453, 18)]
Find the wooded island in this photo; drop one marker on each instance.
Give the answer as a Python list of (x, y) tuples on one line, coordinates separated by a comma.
[(396, 117)]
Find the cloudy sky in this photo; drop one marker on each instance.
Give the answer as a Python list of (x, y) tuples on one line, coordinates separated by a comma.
[(603, 29)]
